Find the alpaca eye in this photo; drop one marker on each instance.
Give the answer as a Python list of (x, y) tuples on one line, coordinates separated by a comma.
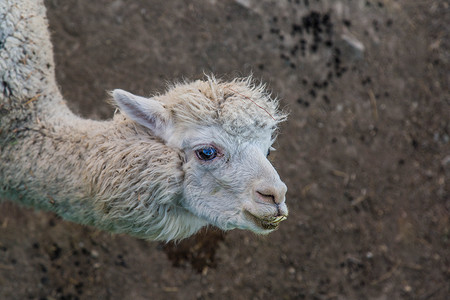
[(207, 153)]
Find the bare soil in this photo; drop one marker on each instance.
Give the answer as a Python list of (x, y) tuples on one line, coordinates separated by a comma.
[(365, 153)]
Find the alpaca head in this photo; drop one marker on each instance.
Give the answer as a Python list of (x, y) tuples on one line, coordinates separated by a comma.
[(225, 131)]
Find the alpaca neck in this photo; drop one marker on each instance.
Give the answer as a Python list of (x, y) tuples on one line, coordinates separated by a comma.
[(113, 175)]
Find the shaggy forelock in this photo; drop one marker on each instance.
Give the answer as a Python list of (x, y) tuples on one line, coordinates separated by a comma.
[(241, 107)]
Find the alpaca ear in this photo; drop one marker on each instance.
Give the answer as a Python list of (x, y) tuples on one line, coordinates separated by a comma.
[(145, 111)]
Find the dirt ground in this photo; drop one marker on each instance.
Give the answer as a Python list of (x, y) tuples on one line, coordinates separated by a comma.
[(365, 153)]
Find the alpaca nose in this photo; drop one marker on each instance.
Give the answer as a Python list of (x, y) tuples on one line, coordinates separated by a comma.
[(272, 194)]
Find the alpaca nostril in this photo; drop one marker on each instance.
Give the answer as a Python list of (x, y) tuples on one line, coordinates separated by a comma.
[(266, 197), (271, 193)]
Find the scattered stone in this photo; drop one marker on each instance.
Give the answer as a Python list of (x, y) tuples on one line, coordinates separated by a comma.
[(352, 48), (94, 253)]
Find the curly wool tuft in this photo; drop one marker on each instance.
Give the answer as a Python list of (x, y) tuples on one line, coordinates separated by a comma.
[(241, 107)]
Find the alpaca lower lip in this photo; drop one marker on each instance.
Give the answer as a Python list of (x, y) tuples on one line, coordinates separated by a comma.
[(268, 223)]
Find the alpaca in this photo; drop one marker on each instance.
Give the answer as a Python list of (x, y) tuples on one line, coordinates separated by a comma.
[(161, 169)]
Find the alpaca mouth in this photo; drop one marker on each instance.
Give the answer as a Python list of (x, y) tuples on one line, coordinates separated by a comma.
[(267, 223)]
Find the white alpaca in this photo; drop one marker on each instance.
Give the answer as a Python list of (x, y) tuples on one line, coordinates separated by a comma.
[(161, 169)]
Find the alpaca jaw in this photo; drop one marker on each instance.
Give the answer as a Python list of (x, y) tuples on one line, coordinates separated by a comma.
[(266, 223), (263, 218)]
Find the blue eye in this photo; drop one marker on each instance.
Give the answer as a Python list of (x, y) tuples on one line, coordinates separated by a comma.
[(207, 153)]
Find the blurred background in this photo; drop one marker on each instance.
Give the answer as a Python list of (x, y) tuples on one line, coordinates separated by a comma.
[(365, 152)]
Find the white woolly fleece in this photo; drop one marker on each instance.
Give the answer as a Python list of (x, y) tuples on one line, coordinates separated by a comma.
[(139, 173)]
